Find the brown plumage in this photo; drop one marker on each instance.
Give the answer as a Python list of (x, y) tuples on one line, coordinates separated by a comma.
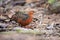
[(22, 18)]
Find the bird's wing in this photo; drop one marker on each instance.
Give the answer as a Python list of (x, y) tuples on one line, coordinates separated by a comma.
[(22, 16)]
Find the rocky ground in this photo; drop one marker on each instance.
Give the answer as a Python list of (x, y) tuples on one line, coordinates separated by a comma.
[(48, 24)]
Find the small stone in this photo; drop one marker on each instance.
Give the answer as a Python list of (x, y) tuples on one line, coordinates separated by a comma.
[(7, 20)]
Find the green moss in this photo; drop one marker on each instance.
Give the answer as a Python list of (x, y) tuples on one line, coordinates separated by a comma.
[(51, 1)]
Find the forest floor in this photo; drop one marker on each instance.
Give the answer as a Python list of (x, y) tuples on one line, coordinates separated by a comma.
[(45, 24)]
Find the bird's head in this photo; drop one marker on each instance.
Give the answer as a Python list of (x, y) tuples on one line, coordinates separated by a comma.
[(31, 12)]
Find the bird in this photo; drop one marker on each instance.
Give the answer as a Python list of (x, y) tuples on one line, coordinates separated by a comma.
[(23, 18)]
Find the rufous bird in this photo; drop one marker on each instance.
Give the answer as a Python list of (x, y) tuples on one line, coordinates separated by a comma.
[(23, 19)]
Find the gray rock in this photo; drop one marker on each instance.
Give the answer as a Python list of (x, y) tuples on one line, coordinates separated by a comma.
[(55, 7)]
